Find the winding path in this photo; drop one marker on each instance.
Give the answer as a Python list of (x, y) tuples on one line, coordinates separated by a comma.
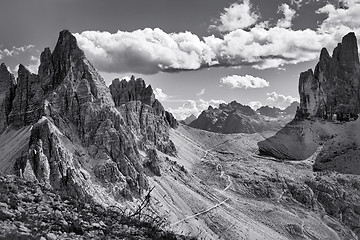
[(222, 191)]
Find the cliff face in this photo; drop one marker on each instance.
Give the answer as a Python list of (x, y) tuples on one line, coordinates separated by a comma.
[(7, 92), (332, 90), (136, 90), (80, 135)]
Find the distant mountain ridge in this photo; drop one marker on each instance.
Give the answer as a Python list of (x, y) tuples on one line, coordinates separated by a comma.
[(189, 119), (238, 118)]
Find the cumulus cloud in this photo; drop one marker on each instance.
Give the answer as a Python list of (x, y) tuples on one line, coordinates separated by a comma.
[(245, 82), (145, 51), (160, 95), (243, 41), (193, 107), (15, 50), (289, 14), (341, 20), (237, 16), (201, 92), (281, 101), (34, 65)]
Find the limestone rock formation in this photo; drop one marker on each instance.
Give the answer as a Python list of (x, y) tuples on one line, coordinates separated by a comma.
[(83, 132), (136, 90), (7, 92), (332, 90), (27, 104)]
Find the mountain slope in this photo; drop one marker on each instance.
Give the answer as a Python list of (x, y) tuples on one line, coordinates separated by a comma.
[(218, 187)]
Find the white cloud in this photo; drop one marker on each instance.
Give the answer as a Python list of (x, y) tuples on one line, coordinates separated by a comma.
[(201, 92), (340, 21), (281, 101), (245, 82), (243, 42), (160, 95), (145, 51), (193, 107), (289, 14), (16, 50), (33, 67), (237, 16), (255, 105), (298, 3)]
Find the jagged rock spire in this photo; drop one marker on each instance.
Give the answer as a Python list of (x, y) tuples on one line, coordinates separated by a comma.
[(332, 90)]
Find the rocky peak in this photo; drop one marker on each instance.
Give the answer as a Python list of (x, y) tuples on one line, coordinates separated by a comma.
[(68, 65), (269, 111), (133, 90), (235, 106), (346, 53), (124, 92), (332, 90), (27, 102), (7, 92), (65, 52), (6, 80), (324, 55)]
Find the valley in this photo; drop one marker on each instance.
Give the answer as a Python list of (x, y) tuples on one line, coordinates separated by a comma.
[(229, 192)]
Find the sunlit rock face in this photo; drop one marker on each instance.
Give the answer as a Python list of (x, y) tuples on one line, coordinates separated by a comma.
[(331, 91), (82, 131)]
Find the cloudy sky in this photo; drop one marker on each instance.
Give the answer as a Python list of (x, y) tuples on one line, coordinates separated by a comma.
[(193, 52)]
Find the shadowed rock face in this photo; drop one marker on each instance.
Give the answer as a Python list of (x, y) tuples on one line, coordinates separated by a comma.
[(7, 92), (78, 130), (332, 90)]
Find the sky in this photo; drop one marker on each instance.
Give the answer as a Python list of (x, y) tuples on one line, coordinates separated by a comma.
[(194, 53)]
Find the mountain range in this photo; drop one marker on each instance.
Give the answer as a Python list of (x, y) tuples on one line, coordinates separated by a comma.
[(237, 118), (81, 160)]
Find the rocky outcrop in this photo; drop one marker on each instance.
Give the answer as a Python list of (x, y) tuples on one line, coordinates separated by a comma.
[(331, 91), (84, 133), (136, 90), (233, 118), (153, 162), (28, 101), (29, 210)]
